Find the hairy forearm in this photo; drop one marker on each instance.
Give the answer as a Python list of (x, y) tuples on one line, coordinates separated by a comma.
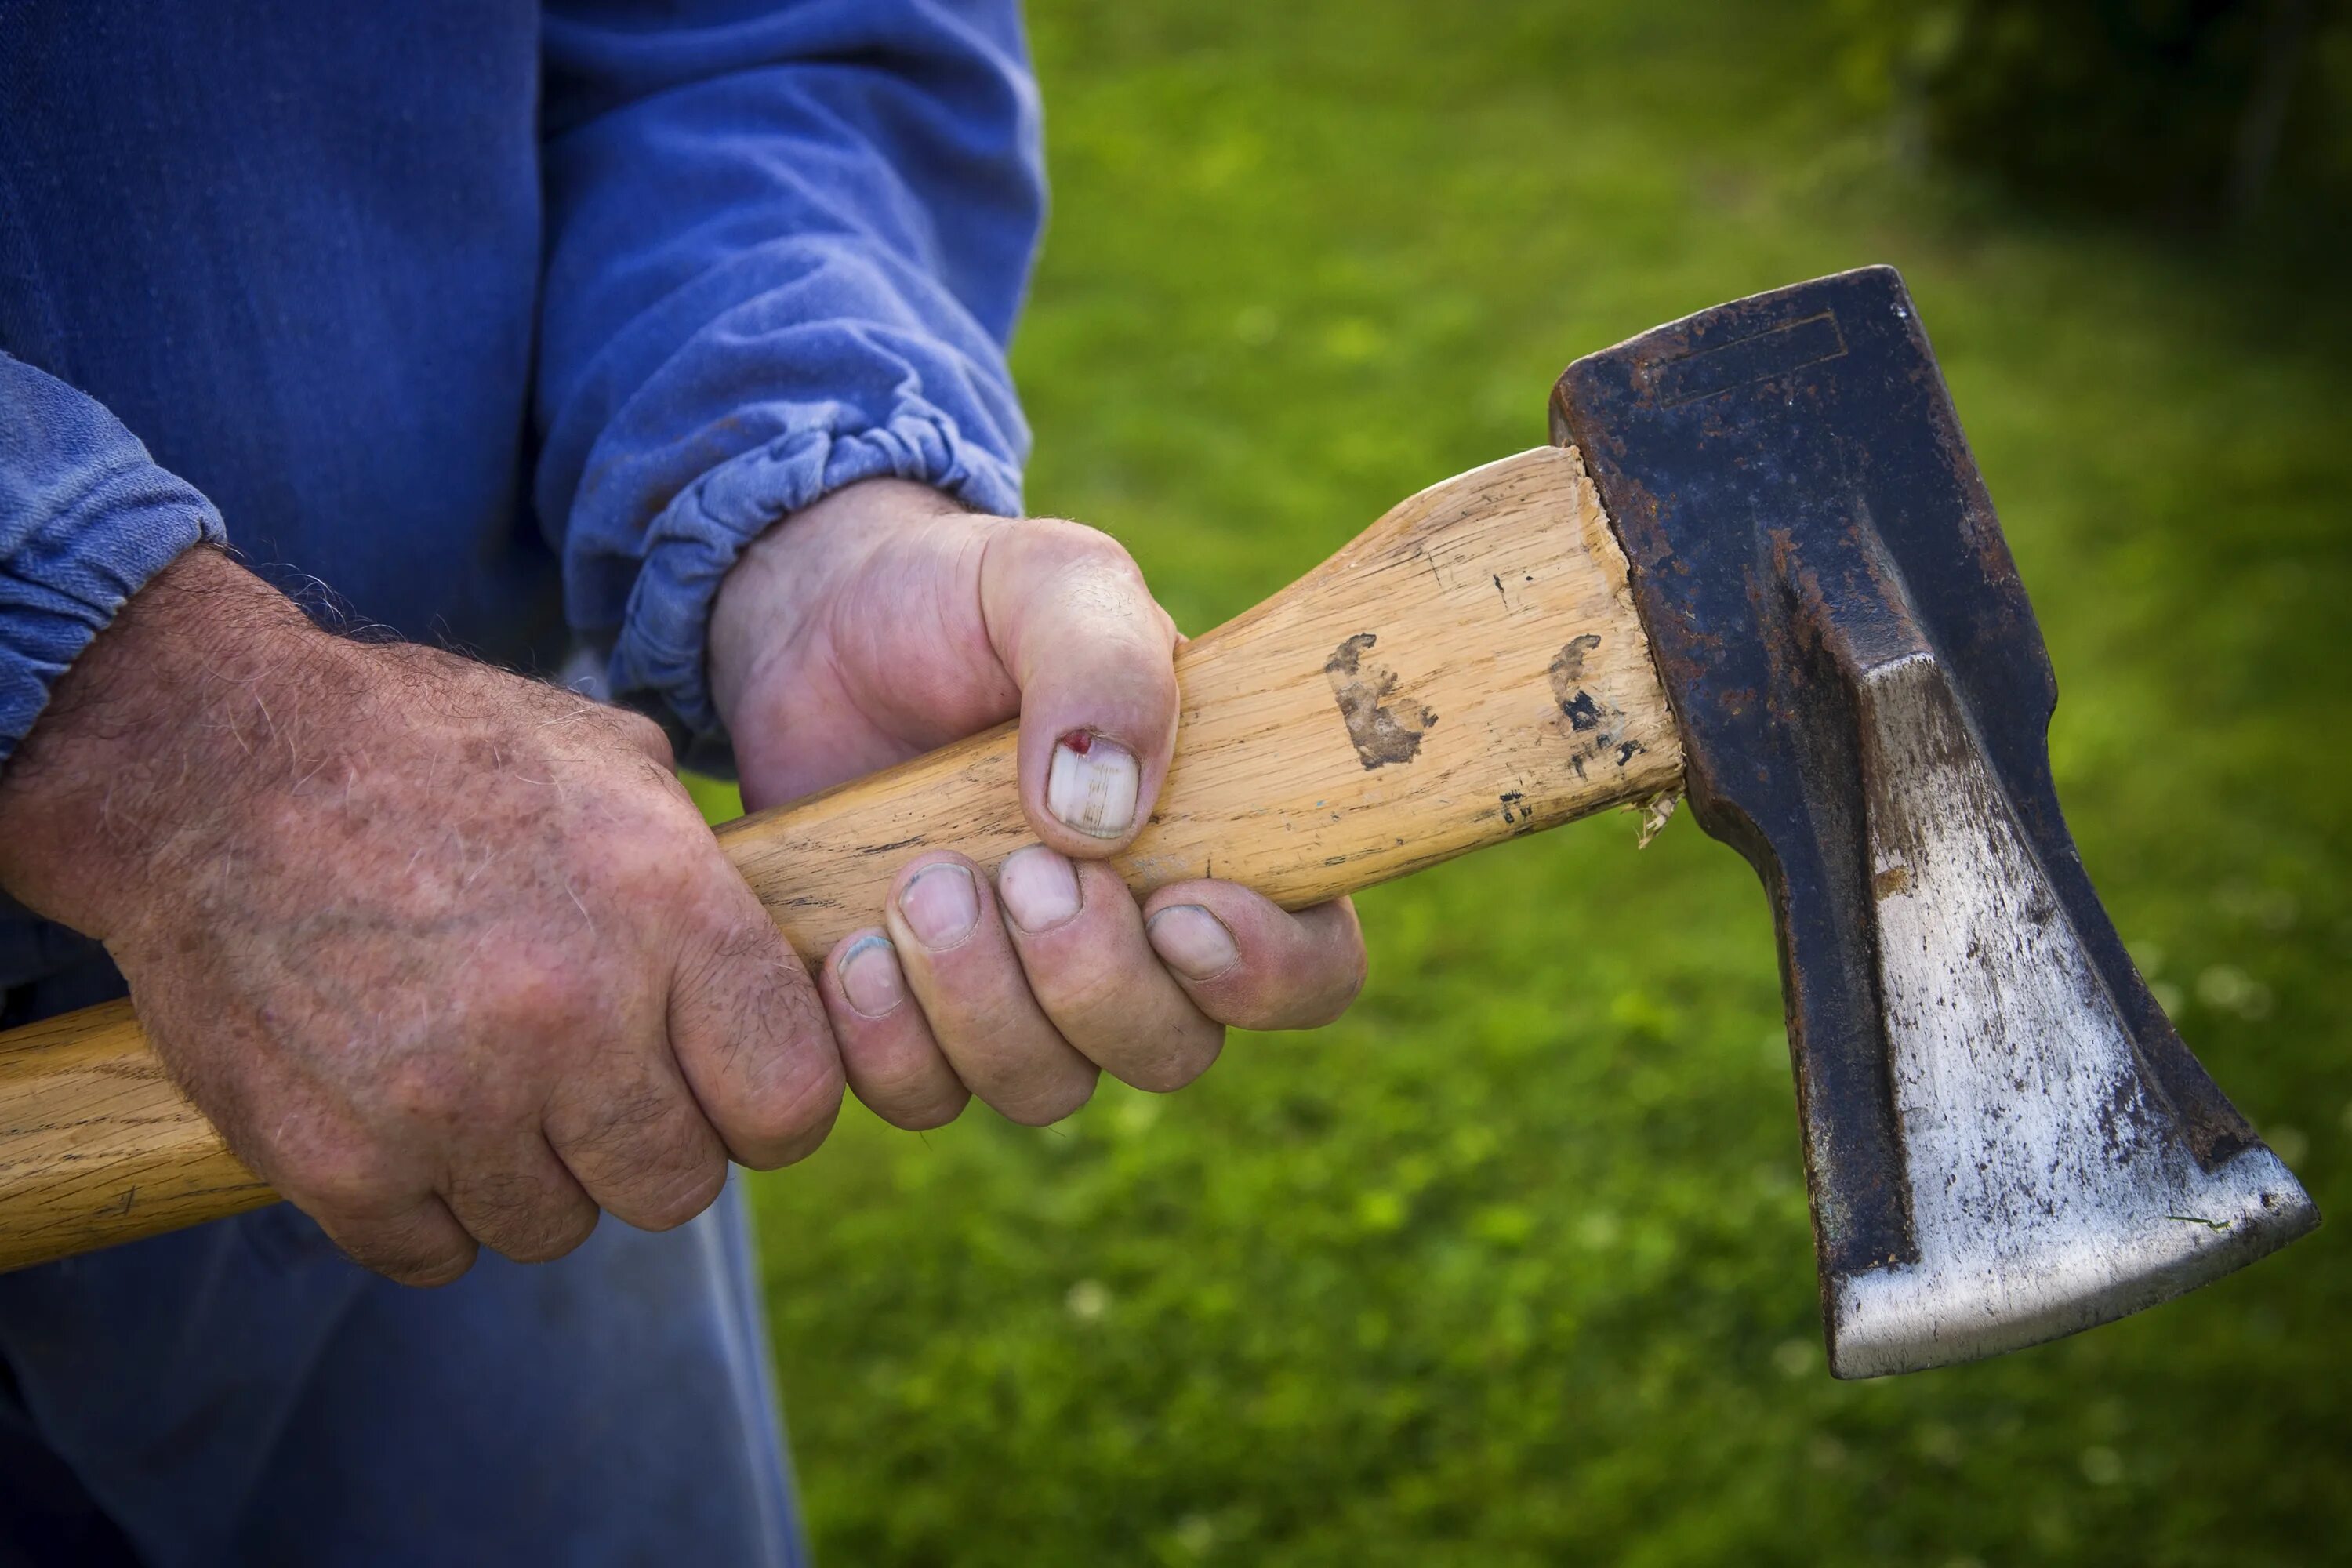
[(447, 955), (192, 699)]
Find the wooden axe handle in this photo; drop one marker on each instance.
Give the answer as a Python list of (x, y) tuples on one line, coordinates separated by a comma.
[(1467, 670)]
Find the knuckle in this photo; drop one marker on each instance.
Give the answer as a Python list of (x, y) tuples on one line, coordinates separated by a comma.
[(786, 1117), (426, 1270), (526, 1217), (672, 1203), (912, 1093), (1303, 996), (926, 1112), (1043, 1104), (648, 1157), (1177, 1065), (633, 728), (745, 956), (434, 1275), (1095, 997), (757, 1015), (331, 1170), (408, 1251), (661, 857), (551, 1235), (428, 1089), (1090, 569), (1078, 542), (525, 990), (622, 1128), (1104, 1014)]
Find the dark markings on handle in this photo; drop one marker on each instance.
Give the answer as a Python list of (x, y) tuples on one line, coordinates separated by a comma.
[(1384, 726)]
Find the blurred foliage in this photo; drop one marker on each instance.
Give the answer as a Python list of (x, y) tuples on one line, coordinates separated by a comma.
[(2187, 109), (1511, 1266)]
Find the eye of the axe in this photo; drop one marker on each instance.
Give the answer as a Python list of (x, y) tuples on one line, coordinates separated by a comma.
[(2006, 1139)]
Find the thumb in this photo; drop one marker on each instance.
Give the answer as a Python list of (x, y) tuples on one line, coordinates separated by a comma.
[(1092, 654)]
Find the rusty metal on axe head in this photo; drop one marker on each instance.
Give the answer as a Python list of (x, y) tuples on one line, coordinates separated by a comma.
[(2005, 1139)]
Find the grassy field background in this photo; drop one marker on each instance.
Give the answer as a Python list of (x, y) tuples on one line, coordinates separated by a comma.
[(1512, 1266)]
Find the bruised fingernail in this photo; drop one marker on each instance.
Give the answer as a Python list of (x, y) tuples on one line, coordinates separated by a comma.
[(1092, 784), (1191, 942), (941, 904), (870, 977), (1039, 888)]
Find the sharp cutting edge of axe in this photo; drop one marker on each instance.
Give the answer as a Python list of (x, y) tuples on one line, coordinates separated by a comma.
[(1804, 616)]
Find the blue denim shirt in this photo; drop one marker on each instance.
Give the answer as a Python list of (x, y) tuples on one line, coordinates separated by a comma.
[(506, 322), (505, 325)]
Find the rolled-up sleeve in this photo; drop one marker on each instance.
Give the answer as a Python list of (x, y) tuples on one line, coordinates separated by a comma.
[(786, 250), (86, 519)]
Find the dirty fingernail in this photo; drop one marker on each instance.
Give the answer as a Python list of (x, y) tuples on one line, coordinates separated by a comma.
[(1192, 942), (870, 977), (1039, 888), (941, 904), (1092, 784)]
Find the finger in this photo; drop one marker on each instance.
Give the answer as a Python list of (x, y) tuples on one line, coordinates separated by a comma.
[(417, 1243), (1081, 946), (377, 1207), (1069, 615), (888, 1053), (631, 1135), (750, 1037), (1246, 961), (519, 1201), (960, 967)]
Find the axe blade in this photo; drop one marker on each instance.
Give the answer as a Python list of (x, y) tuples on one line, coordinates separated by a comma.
[(2005, 1139)]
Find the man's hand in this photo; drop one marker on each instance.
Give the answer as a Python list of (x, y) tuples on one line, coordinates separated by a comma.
[(450, 960), (883, 622), (447, 955)]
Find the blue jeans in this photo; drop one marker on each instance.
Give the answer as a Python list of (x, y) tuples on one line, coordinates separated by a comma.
[(240, 1394)]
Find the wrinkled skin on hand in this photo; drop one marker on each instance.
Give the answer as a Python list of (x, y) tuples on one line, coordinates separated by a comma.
[(447, 955), (883, 622), (450, 959)]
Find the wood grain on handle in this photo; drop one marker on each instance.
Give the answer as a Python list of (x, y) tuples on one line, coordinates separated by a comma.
[(97, 1147), (1469, 669)]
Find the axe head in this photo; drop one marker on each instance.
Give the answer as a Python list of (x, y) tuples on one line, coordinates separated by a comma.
[(2005, 1139)]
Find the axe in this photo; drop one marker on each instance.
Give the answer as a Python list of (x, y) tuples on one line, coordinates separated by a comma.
[(1758, 569)]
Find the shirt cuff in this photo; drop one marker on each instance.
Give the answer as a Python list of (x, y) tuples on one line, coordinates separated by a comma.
[(64, 579), (662, 648)]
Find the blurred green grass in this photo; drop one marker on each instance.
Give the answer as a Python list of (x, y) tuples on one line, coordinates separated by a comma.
[(1512, 1266)]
